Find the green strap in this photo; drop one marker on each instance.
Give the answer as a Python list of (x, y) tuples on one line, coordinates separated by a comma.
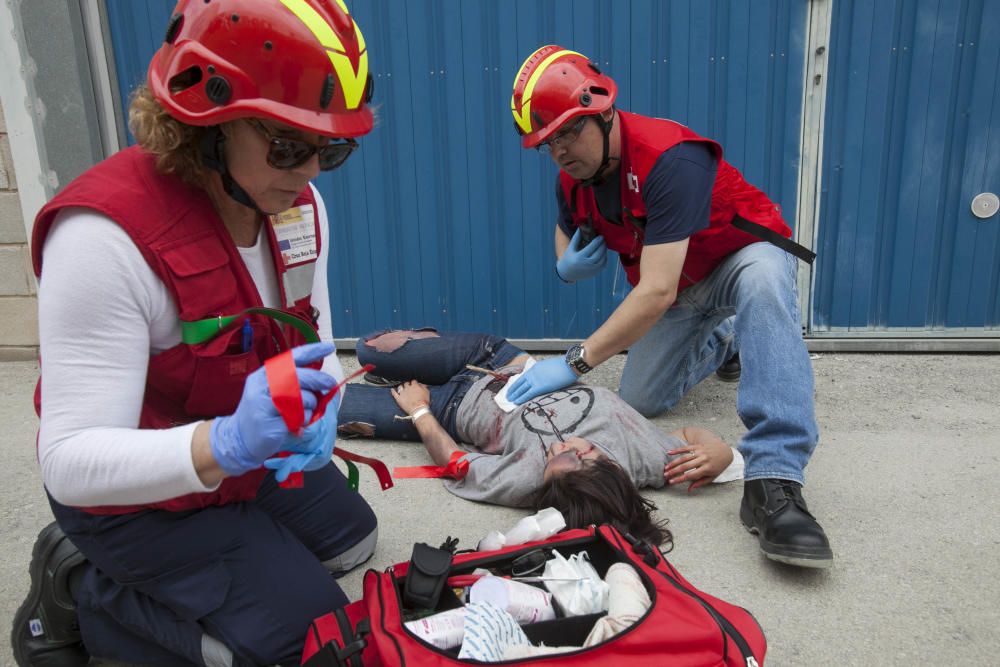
[(200, 331), (352, 475)]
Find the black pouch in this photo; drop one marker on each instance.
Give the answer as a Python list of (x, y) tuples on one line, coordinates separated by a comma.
[(426, 576)]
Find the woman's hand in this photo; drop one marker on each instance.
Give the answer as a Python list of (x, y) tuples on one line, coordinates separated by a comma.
[(411, 395), (699, 461), (241, 442)]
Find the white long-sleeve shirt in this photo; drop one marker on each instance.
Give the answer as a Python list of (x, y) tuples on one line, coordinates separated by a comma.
[(102, 313)]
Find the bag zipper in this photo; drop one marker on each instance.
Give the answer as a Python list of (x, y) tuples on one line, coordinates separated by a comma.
[(381, 617), (727, 627), (749, 613), (473, 563)]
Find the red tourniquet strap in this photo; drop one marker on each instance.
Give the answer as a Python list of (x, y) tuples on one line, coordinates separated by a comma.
[(283, 383), (457, 468), (294, 479), (384, 478)]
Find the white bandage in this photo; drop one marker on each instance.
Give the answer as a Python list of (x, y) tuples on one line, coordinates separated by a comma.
[(419, 412)]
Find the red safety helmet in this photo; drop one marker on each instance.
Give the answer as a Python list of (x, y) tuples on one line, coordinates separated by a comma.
[(554, 85), (299, 62)]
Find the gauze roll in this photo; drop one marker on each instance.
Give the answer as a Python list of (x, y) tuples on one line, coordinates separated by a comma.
[(586, 594)]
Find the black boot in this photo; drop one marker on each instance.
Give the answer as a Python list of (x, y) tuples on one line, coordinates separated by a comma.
[(775, 511), (730, 370), (46, 632)]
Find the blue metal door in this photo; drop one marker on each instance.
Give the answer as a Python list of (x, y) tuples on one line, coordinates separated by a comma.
[(912, 136), (441, 219)]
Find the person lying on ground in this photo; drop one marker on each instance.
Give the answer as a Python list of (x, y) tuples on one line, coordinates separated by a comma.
[(580, 449)]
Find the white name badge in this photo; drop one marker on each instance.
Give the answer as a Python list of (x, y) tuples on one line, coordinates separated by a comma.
[(295, 231)]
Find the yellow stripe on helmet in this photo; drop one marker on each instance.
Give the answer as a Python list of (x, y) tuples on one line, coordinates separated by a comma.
[(523, 119), (352, 82)]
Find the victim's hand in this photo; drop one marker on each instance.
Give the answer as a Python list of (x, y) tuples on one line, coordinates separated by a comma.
[(411, 395), (700, 461)]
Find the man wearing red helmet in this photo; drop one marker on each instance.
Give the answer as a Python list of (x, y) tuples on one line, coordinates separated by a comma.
[(173, 270), (712, 270)]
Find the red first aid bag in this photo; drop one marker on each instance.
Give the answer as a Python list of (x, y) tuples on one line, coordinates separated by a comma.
[(682, 627)]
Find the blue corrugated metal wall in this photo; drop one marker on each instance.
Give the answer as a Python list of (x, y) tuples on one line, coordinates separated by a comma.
[(441, 219), (912, 135)]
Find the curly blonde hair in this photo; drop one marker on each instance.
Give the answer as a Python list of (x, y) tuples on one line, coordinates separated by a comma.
[(175, 144)]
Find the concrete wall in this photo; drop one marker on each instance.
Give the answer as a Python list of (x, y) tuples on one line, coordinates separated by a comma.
[(57, 118), (18, 302)]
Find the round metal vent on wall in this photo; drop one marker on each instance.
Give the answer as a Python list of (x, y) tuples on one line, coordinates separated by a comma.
[(985, 205)]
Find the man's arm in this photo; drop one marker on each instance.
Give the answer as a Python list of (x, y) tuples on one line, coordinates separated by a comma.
[(411, 397), (678, 197), (655, 293), (562, 241), (660, 268)]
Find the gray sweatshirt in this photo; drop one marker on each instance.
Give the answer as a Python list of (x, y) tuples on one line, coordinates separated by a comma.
[(508, 449)]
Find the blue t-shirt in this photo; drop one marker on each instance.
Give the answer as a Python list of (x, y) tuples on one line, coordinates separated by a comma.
[(677, 194)]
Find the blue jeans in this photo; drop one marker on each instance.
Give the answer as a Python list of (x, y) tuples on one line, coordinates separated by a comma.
[(438, 362), (748, 304)]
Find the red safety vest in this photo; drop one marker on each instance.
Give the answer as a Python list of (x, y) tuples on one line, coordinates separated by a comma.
[(178, 232), (643, 140)]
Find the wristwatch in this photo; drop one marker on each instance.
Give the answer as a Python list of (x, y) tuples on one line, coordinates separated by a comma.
[(574, 357)]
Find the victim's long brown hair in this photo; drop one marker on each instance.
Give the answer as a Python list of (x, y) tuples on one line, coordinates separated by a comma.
[(602, 492)]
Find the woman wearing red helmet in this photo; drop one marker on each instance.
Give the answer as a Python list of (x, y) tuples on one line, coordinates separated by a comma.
[(158, 432), (712, 271)]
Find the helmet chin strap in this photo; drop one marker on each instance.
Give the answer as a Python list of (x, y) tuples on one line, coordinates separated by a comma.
[(212, 157), (606, 159)]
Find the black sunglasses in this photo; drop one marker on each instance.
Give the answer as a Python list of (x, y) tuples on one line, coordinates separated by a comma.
[(287, 153), (529, 563)]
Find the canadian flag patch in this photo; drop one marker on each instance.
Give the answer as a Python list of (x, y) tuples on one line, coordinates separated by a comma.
[(633, 181)]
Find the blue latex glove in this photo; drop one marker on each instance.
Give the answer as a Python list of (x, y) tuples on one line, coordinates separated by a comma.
[(244, 440), (545, 376), (313, 449), (578, 263)]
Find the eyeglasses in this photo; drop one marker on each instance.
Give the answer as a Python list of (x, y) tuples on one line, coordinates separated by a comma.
[(529, 563), (564, 138), (288, 153)]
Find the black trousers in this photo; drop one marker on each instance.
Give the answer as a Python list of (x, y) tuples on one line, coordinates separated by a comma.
[(248, 574)]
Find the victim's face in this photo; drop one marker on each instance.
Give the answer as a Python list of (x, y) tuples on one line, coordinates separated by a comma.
[(569, 455)]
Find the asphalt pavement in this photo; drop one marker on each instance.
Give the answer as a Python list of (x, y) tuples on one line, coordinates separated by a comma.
[(904, 481)]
